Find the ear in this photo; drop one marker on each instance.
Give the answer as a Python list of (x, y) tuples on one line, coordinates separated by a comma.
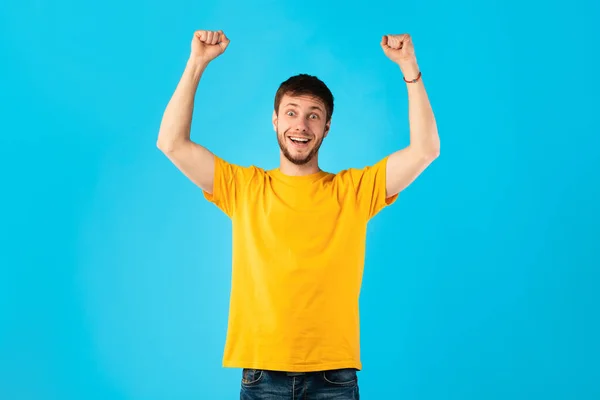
[(274, 120), (327, 127)]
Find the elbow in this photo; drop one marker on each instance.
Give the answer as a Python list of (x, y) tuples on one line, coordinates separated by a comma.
[(160, 144), (434, 152), (430, 152), (170, 141), (428, 147), (433, 149), (166, 146)]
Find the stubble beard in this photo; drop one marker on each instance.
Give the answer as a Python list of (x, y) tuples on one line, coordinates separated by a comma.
[(301, 160)]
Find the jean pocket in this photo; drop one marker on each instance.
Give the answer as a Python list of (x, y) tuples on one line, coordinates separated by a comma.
[(251, 376), (340, 377)]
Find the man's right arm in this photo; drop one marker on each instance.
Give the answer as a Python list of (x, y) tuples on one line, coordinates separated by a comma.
[(195, 161)]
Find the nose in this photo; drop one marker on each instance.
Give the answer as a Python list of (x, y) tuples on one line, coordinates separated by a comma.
[(301, 125)]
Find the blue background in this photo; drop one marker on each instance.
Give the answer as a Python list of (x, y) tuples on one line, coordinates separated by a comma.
[(481, 282)]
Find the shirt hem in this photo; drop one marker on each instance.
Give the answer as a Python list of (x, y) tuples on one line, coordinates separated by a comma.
[(271, 366)]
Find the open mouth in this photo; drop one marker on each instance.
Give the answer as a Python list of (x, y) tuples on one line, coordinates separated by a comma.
[(299, 141)]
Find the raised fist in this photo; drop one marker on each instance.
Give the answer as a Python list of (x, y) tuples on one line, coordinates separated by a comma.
[(207, 45), (399, 48)]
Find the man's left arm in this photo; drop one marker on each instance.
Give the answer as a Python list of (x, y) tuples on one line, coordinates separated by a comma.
[(405, 165)]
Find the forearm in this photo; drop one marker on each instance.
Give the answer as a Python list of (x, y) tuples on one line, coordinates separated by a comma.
[(177, 119), (423, 128)]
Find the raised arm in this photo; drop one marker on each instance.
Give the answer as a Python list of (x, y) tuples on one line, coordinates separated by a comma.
[(405, 165), (194, 160)]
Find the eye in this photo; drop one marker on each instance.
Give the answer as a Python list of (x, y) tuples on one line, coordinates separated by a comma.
[(290, 113), (314, 116)]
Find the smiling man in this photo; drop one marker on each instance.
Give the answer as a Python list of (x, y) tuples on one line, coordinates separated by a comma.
[(299, 232), (301, 118)]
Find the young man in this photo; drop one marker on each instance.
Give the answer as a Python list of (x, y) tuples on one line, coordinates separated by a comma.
[(298, 231)]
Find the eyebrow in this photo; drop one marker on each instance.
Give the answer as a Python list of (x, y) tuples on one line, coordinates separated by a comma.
[(311, 107)]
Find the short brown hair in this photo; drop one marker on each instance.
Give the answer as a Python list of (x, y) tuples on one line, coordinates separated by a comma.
[(304, 84)]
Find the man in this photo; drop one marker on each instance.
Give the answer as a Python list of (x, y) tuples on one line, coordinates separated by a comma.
[(298, 231)]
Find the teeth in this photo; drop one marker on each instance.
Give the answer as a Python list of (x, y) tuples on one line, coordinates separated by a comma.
[(299, 139)]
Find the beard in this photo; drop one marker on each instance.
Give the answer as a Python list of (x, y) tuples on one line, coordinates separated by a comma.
[(299, 159)]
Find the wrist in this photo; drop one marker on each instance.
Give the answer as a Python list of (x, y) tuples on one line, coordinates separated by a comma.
[(410, 70), (197, 63)]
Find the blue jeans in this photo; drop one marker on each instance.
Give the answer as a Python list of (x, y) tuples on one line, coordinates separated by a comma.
[(338, 384)]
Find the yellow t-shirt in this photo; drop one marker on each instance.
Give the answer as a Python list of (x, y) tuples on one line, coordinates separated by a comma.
[(298, 257)]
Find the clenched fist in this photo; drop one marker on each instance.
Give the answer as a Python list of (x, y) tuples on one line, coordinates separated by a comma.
[(399, 48), (208, 45)]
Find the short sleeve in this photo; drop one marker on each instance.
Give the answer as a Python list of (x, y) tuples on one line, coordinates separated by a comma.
[(228, 184), (370, 188)]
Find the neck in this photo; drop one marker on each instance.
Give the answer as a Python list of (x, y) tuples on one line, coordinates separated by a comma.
[(289, 168)]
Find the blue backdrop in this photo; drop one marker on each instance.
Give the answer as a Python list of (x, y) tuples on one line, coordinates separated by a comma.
[(481, 282)]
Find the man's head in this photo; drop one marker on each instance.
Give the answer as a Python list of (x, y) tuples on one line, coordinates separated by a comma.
[(302, 117)]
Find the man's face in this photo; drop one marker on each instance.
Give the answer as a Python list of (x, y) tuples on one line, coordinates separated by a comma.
[(300, 127)]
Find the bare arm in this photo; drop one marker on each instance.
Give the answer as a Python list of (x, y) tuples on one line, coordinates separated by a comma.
[(193, 160), (405, 165)]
